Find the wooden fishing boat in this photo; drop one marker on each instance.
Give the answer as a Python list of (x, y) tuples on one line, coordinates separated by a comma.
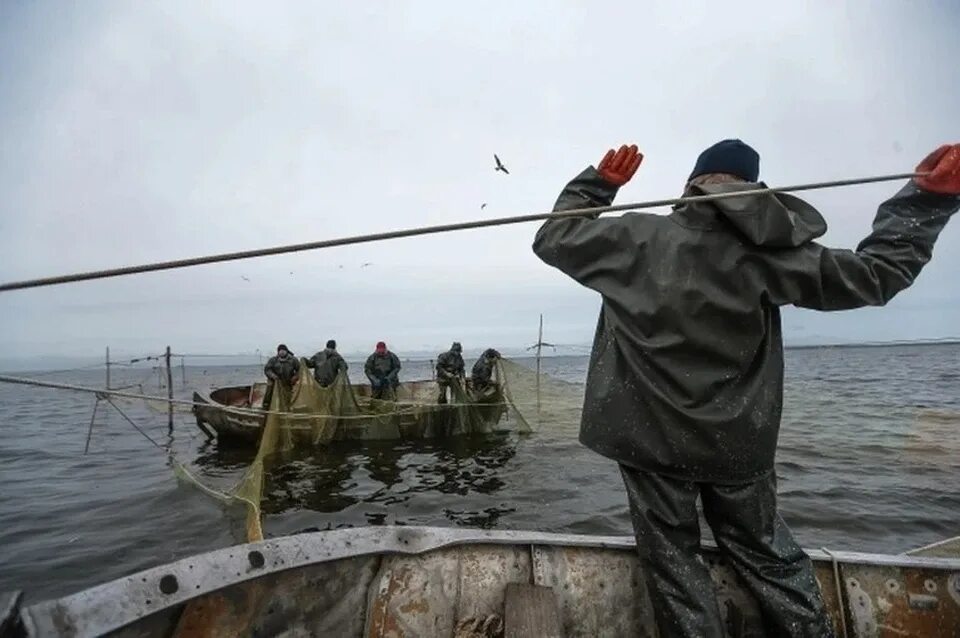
[(231, 415), (424, 582)]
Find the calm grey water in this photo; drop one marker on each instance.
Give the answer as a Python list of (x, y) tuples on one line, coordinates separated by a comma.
[(869, 460)]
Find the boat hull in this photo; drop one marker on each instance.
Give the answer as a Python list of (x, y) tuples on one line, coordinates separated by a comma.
[(409, 581), (415, 417)]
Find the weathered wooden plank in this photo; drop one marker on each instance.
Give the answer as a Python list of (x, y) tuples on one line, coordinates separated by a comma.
[(531, 610)]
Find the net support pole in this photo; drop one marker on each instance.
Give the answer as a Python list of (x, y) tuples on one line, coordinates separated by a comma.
[(183, 372), (93, 418), (539, 348), (166, 358), (107, 387)]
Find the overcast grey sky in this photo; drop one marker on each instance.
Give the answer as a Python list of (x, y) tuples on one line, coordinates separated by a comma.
[(135, 132)]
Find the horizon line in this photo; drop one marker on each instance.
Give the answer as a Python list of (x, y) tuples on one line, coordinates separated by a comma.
[(519, 353)]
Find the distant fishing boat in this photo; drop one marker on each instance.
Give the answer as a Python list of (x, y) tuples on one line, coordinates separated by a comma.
[(406, 582), (230, 414)]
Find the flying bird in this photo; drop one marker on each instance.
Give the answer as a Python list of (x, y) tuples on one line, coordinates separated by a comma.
[(365, 264), (244, 278), (482, 206), (499, 166)]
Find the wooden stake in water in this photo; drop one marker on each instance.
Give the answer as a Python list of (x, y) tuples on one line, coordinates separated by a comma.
[(169, 390), (539, 349), (93, 418)]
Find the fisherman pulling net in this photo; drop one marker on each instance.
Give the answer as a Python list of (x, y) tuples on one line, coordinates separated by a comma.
[(500, 396)]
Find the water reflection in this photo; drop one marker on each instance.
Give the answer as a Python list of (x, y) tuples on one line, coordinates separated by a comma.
[(219, 460), (381, 482)]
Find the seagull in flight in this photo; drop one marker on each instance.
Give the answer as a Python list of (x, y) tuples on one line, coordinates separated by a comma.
[(244, 277), (499, 166), (369, 263), (482, 206)]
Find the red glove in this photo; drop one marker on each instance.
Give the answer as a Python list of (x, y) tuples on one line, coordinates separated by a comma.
[(617, 168), (943, 168)]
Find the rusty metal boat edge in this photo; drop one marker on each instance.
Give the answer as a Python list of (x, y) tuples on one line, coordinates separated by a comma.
[(881, 594)]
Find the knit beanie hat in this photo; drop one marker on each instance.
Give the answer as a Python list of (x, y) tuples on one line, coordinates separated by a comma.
[(732, 157)]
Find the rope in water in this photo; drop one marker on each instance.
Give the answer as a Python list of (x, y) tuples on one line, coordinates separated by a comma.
[(427, 230), (103, 393)]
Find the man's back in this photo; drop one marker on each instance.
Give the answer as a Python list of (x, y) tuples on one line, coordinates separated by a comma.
[(686, 373), (327, 364)]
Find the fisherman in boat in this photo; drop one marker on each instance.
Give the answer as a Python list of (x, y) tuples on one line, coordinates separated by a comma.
[(283, 369), (685, 385), (327, 364), (450, 370), (481, 376), (383, 370)]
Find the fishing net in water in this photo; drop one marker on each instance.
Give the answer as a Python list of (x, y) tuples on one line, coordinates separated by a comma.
[(309, 415), (540, 400)]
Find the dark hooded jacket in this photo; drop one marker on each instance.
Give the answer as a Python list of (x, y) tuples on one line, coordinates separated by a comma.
[(383, 366), (326, 365), (686, 373), (450, 365), (482, 373), (286, 370)]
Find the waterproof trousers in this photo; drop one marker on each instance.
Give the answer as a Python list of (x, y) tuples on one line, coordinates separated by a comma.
[(442, 386), (384, 390), (752, 538), (268, 395)]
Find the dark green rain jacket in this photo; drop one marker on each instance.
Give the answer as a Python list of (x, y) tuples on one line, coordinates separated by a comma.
[(385, 366), (449, 366), (686, 374), (286, 370), (326, 364)]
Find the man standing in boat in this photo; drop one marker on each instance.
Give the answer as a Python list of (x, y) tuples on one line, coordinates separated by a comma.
[(327, 364), (685, 385), (383, 370), (283, 369), (450, 370)]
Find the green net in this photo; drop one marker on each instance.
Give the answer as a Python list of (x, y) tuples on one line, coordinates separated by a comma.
[(308, 414), (539, 400)]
